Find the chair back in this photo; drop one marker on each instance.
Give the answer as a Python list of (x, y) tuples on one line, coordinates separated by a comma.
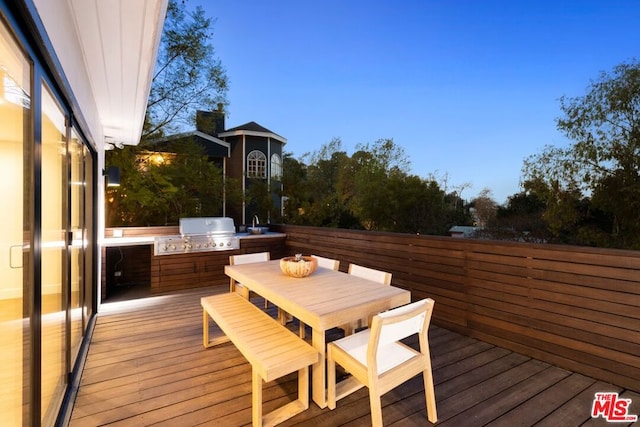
[(249, 258), (393, 325), (332, 264), (370, 274)]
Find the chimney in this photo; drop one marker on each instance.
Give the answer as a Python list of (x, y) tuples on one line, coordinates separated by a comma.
[(211, 122)]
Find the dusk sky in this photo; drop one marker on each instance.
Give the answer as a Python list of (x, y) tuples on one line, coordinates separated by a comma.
[(468, 89)]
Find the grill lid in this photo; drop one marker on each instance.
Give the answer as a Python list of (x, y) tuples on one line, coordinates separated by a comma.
[(207, 225)]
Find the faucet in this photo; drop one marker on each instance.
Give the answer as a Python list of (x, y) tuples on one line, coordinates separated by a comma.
[(255, 221)]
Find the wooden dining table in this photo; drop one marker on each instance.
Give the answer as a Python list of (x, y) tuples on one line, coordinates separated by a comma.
[(323, 300)]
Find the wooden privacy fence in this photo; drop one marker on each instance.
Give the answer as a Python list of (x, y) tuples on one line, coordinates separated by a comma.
[(574, 307)]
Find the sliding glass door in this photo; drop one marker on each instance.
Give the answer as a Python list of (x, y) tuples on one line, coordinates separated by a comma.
[(46, 248), (77, 244), (53, 256), (16, 285)]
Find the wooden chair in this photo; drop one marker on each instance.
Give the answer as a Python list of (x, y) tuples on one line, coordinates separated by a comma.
[(332, 264), (247, 259), (377, 359), (370, 274)]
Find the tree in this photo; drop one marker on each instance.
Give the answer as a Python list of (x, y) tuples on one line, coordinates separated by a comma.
[(522, 218), (259, 200), (188, 77), (158, 188), (375, 170), (603, 160), (295, 188), (485, 207), (327, 193), (369, 190)]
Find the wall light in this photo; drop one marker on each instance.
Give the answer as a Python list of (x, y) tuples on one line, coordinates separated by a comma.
[(113, 176)]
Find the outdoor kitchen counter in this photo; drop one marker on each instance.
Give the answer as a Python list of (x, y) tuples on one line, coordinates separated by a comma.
[(128, 256), (148, 240), (127, 241), (258, 236), (174, 272)]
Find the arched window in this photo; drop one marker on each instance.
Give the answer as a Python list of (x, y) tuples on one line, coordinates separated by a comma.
[(256, 164), (276, 167)]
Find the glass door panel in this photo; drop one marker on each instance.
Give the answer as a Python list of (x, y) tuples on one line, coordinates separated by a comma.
[(76, 247), (15, 234), (89, 245), (53, 255)]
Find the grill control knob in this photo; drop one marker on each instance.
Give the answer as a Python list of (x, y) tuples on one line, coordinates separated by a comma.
[(221, 244)]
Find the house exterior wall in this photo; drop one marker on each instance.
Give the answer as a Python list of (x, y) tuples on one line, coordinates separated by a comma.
[(235, 166), (241, 146)]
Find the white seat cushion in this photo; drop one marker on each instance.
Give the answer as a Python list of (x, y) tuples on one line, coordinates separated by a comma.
[(389, 356)]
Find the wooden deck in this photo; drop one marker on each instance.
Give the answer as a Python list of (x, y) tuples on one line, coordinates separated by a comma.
[(147, 366)]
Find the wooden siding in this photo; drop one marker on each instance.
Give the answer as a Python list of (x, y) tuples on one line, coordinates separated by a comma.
[(185, 271), (201, 269), (574, 307), (147, 366), (169, 273)]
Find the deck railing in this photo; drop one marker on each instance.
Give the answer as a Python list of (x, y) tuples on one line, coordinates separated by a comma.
[(574, 307)]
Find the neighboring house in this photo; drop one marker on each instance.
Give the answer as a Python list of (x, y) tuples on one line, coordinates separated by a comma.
[(463, 231), (246, 153), (74, 80)]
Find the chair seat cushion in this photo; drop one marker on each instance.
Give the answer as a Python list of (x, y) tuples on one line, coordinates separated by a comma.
[(389, 356)]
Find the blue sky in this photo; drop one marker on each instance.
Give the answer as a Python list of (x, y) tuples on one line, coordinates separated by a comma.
[(468, 89)]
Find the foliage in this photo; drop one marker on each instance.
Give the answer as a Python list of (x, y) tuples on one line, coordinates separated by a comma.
[(158, 187), (485, 208), (370, 189), (592, 187), (188, 77), (259, 200)]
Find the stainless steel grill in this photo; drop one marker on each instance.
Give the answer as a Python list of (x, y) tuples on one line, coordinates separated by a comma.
[(199, 235)]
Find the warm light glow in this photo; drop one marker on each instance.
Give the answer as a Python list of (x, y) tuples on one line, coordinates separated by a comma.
[(154, 159), (157, 159)]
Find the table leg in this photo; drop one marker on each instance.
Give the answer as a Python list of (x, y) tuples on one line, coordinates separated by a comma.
[(205, 328), (318, 369)]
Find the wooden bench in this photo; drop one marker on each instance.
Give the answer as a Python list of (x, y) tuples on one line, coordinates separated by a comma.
[(272, 350)]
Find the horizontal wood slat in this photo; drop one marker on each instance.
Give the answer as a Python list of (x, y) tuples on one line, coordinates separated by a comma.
[(272, 349), (146, 367), (202, 269), (575, 307)]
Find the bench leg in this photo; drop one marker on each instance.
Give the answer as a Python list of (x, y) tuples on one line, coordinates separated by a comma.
[(303, 387), (282, 413), (205, 333)]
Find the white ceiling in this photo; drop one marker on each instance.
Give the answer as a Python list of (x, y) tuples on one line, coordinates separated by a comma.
[(117, 42)]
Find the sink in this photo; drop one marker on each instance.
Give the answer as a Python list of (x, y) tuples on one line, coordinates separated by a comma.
[(257, 230)]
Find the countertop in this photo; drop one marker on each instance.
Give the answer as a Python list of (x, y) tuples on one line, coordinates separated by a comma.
[(149, 240)]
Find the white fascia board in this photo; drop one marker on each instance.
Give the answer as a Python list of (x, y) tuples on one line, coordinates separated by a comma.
[(253, 133)]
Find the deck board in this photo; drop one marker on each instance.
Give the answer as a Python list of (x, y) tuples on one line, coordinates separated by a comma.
[(146, 366)]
